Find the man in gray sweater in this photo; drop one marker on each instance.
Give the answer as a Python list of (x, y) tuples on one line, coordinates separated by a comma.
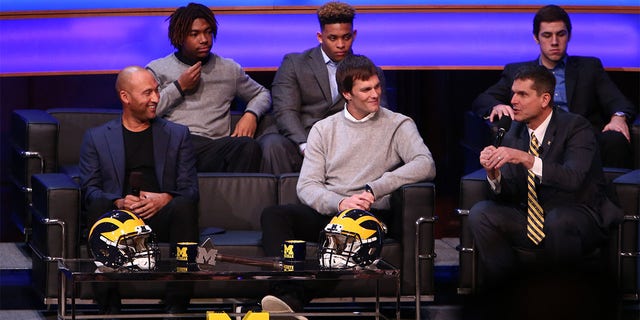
[(354, 160), (197, 88)]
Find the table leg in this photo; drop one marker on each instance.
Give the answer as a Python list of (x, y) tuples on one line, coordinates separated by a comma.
[(62, 300), (377, 299), (398, 298), (73, 299)]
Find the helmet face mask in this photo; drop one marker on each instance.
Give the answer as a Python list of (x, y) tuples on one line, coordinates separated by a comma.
[(119, 239), (353, 238)]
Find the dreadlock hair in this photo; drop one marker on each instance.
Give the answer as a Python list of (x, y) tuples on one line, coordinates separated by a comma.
[(335, 12), (180, 22)]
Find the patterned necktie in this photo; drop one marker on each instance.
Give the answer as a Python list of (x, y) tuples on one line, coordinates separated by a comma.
[(535, 214)]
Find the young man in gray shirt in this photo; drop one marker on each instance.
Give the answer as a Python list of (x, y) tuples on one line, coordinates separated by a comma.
[(197, 88)]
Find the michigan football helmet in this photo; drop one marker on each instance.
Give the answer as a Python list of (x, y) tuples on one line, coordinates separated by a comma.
[(352, 238), (119, 239)]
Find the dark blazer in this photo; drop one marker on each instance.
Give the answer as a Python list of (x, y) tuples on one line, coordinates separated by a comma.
[(590, 91), (301, 94), (571, 170), (102, 161)]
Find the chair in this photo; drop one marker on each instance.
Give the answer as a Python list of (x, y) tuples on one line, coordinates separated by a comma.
[(621, 255)]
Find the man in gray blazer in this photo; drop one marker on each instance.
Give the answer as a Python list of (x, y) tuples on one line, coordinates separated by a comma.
[(304, 89)]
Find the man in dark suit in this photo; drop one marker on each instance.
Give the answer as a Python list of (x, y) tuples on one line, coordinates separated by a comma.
[(582, 87), (550, 201), (304, 89), (161, 152)]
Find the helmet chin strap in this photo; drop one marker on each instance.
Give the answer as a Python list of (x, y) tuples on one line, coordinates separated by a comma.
[(144, 263), (337, 261)]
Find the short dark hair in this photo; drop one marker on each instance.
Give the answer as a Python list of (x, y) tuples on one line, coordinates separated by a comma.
[(335, 12), (354, 67), (543, 80), (550, 13), (180, 22)]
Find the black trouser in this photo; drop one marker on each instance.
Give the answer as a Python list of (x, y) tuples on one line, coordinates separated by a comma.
[(557, 283), (227, 154), (174, 223), (279, 154), (499, 230), (615, 150)]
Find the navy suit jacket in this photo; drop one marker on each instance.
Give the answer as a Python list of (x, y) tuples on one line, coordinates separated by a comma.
[(102, 161), (590, 91), (571, 170), (301, 94)]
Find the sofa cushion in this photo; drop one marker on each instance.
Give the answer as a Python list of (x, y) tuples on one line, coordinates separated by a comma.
[(235, 238), (234, 201), (73, 123)]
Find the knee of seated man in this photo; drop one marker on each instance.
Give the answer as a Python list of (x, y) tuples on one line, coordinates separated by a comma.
[(477, 213), (249, 145), (273, 141), (613, 138)]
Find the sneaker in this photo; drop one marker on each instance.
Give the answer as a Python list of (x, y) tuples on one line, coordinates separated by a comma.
[(273, 304)]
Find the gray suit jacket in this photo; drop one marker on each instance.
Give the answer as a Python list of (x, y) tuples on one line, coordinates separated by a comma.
[(301, 94)]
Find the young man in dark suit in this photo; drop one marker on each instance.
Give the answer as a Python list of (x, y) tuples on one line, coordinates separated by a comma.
[(582, 87)]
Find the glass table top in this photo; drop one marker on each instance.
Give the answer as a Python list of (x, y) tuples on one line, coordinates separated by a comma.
[(260, 269)]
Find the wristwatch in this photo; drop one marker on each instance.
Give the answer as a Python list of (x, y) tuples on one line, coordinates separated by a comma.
[(620, 114)]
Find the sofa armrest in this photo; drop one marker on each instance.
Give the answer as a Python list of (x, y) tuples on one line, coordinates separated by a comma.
[(55, 210), (473, 189), (34, 143), (410, 203), (628, 191), (55, 214), (32, 148)]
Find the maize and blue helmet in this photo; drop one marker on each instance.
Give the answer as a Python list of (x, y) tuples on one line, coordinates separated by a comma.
[(352, 238), (120, 239)]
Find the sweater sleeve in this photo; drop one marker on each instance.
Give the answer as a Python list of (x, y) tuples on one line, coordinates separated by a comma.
[(418, 164), (170, 94), (257, 97), (312, 188)]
